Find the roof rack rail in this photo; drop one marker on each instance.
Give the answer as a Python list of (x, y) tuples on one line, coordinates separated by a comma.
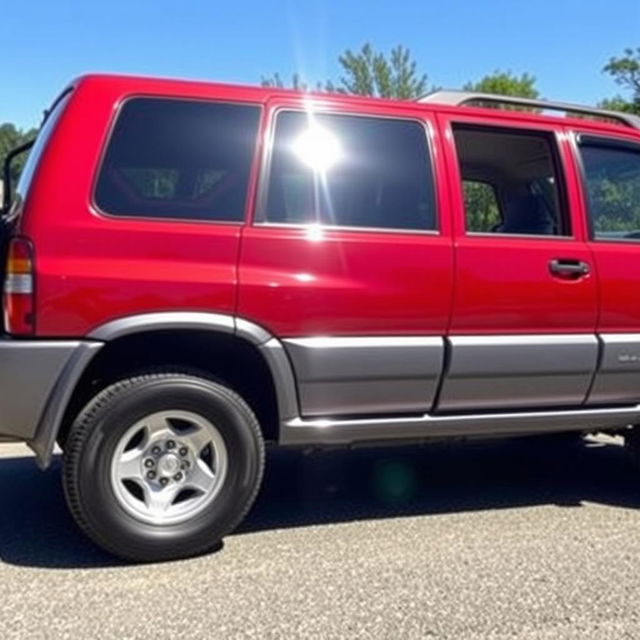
[(462, 98)]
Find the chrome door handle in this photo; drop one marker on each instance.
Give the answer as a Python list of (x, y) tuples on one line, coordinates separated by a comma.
[(575, 268)]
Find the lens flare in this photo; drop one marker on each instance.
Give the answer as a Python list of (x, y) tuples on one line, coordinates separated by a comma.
[(318, 148)]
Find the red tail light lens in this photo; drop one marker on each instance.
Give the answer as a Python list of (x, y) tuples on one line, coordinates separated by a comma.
[(19, 287)]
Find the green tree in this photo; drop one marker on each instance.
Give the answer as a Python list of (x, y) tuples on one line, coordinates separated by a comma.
[(481, 206), (297, 83), (368, 72), (10, 138), (618, 103), (625, 70), (371, 73), (506, 83)]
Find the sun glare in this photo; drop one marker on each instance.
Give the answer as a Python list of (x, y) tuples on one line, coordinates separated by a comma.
[(318, 148)]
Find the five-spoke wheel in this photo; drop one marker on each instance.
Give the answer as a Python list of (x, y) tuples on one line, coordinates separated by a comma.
[(169, 466), (162, 465)]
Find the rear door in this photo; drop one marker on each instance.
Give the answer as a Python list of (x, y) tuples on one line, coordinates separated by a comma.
[(524, 314), (610, 172), (349, 258)]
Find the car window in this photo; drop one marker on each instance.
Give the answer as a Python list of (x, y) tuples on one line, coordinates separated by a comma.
[(350, 171), (482, 206), (612, 177), (511, 182), (179, 159)]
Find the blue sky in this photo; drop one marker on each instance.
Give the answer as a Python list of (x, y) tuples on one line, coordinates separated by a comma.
[(564, 43)]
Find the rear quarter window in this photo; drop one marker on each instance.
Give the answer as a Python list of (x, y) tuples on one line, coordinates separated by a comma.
[(178, 159)]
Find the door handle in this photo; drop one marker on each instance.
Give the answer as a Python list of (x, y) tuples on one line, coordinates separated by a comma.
[(569, 268)]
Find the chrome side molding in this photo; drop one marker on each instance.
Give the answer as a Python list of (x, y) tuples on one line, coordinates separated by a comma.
[(333, 431), (407, 382)]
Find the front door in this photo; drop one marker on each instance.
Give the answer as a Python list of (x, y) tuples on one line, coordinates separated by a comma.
[(525, 306), (348, 259)]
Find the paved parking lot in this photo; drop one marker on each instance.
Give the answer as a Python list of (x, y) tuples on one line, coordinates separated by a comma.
[(506, 539)]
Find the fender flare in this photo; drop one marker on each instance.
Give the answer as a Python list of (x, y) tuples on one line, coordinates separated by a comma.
[(269, 347)]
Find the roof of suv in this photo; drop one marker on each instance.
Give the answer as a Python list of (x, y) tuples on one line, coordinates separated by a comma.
[(599, 120)]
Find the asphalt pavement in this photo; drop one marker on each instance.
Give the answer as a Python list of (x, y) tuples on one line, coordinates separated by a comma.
[(529, 538)]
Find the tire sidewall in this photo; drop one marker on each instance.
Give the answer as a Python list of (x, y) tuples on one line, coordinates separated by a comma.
[(106, 426)]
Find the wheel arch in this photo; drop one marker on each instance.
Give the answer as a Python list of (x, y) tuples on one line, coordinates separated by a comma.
[(175, 339)]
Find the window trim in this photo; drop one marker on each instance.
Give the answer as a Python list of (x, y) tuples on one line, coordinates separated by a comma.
[(259, 220), (20, 191), (117, 112), (558, 166), (607, 142)]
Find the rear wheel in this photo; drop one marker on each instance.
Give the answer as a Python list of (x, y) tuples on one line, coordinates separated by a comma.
[(162, 466)]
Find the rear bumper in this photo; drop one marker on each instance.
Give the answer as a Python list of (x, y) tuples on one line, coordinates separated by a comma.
[(36, 379)]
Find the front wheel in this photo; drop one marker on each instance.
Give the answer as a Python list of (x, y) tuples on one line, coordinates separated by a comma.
[(162, 466)]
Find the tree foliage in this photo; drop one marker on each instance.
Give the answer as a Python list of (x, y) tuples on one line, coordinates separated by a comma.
[(618, 103), (368, 72), (481, 206), (506, 83), (371, 73), (10, 138), (625, 70), (297, 83), (616, 204)]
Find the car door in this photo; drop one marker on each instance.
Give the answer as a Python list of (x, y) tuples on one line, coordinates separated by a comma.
[(348, 258), (610, 177), (525, 305)]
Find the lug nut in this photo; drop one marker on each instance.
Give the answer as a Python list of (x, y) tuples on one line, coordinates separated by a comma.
[(151, 475), (177, 477), (183, 451), (156, 451), (164, 481), (186, 464), (149, 463), (171, 444)]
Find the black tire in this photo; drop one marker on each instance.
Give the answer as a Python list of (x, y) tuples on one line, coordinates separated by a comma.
[(93, 440)]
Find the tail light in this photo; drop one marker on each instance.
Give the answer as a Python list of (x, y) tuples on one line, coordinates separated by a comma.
[(19, 287)]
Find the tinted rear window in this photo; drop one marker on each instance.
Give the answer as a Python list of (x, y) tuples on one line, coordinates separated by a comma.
[(179, 159)]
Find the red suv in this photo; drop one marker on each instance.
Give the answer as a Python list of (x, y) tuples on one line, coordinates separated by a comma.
[(193, 270)]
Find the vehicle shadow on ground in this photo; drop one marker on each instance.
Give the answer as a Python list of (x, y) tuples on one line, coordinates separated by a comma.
[(342, 486)]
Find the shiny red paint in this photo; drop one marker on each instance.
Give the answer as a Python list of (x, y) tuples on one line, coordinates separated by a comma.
[(92, 268), (312, 280), (617, 262), (296, 281), (618, 266), (503, 283)]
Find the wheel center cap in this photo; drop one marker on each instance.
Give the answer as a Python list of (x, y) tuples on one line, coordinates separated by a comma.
[(168, 464)]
